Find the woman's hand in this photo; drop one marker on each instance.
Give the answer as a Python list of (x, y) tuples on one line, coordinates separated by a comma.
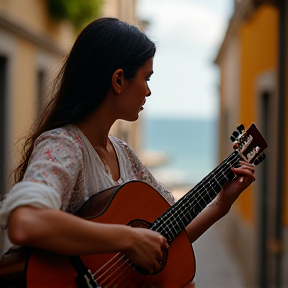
[(232, 190), (221, 205), (147, 249), (66, 234)]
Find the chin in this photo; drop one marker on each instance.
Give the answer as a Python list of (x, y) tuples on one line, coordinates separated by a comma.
[(131, 119)]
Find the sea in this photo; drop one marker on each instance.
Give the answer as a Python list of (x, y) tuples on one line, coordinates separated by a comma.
[(190, 147)]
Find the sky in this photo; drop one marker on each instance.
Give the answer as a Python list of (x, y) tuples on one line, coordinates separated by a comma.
[(188, 35)]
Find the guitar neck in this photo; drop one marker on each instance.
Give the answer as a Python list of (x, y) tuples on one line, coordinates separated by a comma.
[(178, 216)]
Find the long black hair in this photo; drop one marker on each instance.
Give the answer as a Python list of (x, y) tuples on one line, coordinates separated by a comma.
[(103, 46)]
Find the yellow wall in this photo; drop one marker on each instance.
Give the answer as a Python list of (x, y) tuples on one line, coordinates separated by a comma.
[(33, 15), (259, 53), (286, 145), (25, 56)]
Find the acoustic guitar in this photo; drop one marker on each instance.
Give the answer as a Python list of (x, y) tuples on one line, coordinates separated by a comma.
[(137, 204)]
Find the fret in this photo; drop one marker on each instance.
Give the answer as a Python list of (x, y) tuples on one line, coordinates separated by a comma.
[(181, 215), (215, 186), (163, 229), (200, 201), (186, 216), (175, 221), (195, 211), (177, 217), (175, 225), (225, 176), (217, 181), (208, 193), (171, 227), (191, 204)]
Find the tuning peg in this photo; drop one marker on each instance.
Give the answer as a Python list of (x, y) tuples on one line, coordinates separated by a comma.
[(259, 159), (235, 134), (232, 138), (262, 157), (241, 128)]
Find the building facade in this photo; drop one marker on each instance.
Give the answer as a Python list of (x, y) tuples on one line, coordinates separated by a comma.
[(32, 47), (253, 77), (125, 10)]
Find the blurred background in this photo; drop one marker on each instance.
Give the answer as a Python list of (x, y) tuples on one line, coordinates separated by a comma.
[(218, 63)]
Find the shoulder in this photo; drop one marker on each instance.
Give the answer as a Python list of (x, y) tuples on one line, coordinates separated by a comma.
[(120, 143), (123, 148), (117, 140), (67, 133), (58, 143), (64, 137)]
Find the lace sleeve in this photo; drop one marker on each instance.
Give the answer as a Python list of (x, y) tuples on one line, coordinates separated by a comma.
[(55, 162), (49, 180)]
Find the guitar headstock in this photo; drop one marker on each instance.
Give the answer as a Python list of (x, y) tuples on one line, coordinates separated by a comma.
[(249, 143)]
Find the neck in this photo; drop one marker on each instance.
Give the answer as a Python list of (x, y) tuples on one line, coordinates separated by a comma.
[(96, 128), (178, 216)]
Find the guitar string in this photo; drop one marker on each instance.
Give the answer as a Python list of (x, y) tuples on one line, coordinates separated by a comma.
[(187, 208), (211, 175), (110, 267), (129, 264), (117, 267), (101, 282), (201, 192), (214, 175), (195, 198)]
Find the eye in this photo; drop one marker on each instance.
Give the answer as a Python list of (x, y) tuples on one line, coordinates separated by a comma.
[(147, 79)]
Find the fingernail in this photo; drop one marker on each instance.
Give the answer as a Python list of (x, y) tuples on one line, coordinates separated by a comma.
[(241, 179)]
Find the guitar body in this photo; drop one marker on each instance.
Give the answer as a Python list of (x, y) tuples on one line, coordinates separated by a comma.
[(136, 204)]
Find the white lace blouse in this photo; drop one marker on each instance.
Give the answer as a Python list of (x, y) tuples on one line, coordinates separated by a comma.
[(65, 170)]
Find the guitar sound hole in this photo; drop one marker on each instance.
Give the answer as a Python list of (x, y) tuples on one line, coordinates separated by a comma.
[(145, 224)]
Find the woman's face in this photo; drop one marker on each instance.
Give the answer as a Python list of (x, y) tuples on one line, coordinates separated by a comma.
[(134, 92)]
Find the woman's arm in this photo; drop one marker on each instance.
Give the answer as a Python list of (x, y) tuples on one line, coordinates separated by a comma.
[(63, 233), (223, 202)]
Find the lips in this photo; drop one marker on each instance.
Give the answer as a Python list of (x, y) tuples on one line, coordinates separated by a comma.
[(143, 105)]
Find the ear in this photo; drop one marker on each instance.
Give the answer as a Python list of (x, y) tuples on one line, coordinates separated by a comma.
[(117, 80)]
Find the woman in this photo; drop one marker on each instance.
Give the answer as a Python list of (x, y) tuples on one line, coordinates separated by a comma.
[(71, 156)]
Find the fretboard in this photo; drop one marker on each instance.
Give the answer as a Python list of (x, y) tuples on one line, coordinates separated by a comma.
[(179, 215)]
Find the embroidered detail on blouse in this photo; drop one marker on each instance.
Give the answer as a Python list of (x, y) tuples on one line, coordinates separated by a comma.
[(64, 171), (140, 172), (65, 160)]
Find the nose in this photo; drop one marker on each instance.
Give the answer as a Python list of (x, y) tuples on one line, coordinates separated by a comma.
[(148, 92)]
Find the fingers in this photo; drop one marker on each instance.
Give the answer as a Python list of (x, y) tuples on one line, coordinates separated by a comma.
[(148, 251), (155, 267), (245, 172), (157, 263), (247, 165), (165, 244)]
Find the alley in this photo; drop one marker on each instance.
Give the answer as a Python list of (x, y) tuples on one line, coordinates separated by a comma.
[(215, 265)]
